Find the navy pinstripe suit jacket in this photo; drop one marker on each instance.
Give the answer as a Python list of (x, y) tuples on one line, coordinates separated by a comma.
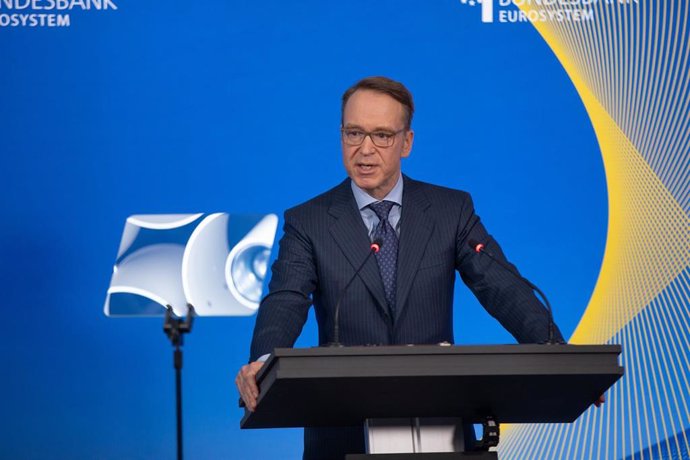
[(325, 241)]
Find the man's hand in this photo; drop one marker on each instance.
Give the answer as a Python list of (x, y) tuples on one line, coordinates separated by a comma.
[(246, 383), (600, 401)]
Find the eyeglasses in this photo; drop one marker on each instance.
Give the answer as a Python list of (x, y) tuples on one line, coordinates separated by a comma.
[(354, 136)]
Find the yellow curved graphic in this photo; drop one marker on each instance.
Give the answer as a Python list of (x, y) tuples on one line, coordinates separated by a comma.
[(630, 65)]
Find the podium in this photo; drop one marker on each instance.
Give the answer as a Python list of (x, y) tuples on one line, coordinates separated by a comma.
[(509, 383)]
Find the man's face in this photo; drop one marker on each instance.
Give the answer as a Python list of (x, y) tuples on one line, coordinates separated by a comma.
[(375, 169)]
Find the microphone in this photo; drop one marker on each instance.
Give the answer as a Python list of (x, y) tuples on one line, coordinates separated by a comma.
[(481, 248), (373, 249)]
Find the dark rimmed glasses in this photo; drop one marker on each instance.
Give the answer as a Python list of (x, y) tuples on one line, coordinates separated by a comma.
[(380, 138)]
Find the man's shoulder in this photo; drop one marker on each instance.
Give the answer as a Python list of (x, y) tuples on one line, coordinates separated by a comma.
[(323, 201), (435, 192)]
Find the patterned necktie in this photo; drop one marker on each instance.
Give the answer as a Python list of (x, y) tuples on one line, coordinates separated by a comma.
[(387, 257)]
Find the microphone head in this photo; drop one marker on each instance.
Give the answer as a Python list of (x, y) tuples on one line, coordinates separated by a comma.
[(476, 245), (376, 245)]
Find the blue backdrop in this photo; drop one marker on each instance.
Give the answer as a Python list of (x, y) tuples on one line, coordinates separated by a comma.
[(162, 107)]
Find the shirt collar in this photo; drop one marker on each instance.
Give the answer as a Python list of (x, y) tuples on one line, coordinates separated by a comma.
[(363, 199)]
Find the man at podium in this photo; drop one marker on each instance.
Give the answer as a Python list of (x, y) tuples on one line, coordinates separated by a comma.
[(402, 294)]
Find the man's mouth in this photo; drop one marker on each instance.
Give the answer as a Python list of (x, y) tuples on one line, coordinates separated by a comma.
[(366, 166)]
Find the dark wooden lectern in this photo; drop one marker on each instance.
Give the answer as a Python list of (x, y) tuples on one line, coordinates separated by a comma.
[(510, 383)]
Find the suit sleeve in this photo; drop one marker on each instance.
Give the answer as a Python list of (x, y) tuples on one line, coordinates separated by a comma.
[(284, 310), (500, 292)]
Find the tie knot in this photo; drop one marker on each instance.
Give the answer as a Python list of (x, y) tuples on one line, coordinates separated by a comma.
[(382, 209)]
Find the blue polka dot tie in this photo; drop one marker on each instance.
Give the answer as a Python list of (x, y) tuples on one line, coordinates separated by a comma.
[(387, 257)]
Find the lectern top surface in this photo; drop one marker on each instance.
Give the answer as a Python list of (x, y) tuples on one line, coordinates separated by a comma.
[(512, 383), (447, 349)]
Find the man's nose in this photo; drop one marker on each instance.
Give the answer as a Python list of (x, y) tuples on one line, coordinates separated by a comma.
[(368, 145)]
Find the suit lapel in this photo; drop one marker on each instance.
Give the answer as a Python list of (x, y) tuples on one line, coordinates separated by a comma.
[(350, 233), (415, 231)]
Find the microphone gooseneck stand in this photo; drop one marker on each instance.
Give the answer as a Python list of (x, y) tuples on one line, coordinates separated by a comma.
[(480, 248), (374, 247), (174, 328)]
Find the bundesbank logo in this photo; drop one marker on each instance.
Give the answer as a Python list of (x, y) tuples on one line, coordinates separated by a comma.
[(47, 13), (487, 8), (540, 10)]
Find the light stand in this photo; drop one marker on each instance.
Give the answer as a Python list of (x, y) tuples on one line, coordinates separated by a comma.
[(174, 328)]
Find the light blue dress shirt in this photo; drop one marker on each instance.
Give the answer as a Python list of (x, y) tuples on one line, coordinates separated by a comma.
[(369, 217)]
